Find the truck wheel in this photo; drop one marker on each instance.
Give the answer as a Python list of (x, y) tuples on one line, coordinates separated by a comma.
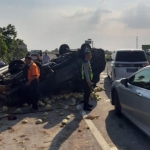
[(117, 105), (14, 66), (64, 48), (98, 60), (83, 49)]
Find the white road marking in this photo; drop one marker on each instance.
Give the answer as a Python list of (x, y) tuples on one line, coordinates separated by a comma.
[(101, 141)]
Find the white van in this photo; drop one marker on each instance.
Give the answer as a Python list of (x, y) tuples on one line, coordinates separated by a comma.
[(34, 53), (125, 62)]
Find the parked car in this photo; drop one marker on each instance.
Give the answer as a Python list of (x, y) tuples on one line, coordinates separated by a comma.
[(2, 64), (124, 63), (67, 72), (131, 97), (34, 54)]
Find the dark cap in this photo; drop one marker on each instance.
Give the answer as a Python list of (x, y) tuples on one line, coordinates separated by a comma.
[(28, 56)]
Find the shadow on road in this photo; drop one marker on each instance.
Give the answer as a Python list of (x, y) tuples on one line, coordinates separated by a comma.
[(68, 129), (107, 86), (124, 134)]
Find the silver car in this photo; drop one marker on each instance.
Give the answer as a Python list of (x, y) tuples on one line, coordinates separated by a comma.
[(131, 97)]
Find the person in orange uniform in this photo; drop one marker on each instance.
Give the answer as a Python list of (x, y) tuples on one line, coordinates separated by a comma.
[(31, 86)]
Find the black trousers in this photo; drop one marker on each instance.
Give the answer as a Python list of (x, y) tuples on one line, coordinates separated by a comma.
[(87, 92), (29, 93)]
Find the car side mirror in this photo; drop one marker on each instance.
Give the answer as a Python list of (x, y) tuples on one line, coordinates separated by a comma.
[(125, 82)]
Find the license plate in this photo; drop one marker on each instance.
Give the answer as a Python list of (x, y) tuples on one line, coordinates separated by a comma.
[(132, 70)]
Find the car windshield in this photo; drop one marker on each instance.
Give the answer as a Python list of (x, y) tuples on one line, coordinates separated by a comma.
[(131, 56)]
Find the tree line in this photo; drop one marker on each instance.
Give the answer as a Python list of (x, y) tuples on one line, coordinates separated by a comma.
[(9, 44)]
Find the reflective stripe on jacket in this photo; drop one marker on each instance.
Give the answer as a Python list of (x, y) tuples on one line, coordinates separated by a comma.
[(87, 72)]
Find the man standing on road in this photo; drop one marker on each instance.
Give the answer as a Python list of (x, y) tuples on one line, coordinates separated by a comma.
[(46, 58), (87, 76), (32, 74)]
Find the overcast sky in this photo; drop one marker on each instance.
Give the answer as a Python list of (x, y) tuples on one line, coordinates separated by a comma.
[(46, 24)]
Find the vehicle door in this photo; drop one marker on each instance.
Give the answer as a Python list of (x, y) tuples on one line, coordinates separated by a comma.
[(135, 99)]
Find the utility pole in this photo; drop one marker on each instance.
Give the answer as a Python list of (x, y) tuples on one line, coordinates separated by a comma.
[(137, 42)]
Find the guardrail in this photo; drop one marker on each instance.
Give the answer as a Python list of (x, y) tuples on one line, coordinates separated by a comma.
[(3, 69)]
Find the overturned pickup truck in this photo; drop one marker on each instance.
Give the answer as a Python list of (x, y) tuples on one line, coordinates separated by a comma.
[(67, 73)]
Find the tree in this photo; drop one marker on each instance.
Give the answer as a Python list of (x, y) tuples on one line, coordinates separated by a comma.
[(9, 35), (3, 47)]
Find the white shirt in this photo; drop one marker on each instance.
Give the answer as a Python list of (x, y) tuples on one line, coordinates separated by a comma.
[(46, 59)]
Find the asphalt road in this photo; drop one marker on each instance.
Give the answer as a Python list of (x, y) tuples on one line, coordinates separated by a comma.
[(119, 133)]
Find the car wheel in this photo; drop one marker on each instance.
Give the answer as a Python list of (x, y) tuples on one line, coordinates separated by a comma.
[(83, 49), (14, 66), (64, 48), (117, 104)]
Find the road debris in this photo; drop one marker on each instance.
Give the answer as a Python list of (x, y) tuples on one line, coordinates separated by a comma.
[(68, 117), (18, 110), (79, 130), (92, 117), (41, 104), (59, 105), (24, 121), (88, 128), (22, 135), (61, 114), (64, 121), (66, 107), (10, 128), (44, 118), (5, 108), (45, 114), (48, 107), (39, 121)]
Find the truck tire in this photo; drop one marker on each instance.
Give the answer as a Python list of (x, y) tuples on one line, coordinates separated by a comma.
[(83, 49), (14, 66), (64, 48), (117, 105), (98, 61)]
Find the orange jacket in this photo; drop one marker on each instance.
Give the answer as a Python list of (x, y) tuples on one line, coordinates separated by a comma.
[(33, 71)]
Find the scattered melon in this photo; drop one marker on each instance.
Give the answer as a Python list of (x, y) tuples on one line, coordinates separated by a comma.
[(48, 106), (41, 104), (64, 121), (18, 110), (68, 117), (39, 121), (45, 114), (24, 121), (5, 108)]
